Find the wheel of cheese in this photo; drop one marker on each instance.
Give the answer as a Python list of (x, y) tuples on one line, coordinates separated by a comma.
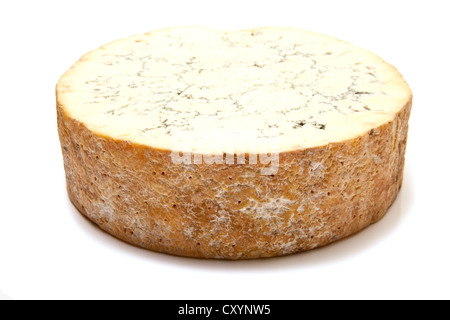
[(232, 145)]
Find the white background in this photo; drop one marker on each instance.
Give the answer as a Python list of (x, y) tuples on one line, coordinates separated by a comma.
[(48, 251)]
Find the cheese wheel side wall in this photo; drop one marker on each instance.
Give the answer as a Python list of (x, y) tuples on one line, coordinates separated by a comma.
[(318, 196)]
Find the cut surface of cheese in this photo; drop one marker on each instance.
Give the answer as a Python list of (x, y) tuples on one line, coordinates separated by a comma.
[(167, 137), (170, 88)]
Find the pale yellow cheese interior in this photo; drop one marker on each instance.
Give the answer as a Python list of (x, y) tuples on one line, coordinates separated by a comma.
[(199, 89)]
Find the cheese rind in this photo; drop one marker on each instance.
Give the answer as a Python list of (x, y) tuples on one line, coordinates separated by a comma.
[(340, 115)]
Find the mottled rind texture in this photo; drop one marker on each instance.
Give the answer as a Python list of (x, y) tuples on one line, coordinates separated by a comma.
[(318, 196)]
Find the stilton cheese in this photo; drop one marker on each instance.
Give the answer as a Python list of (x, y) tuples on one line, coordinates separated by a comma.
[(336, 114)]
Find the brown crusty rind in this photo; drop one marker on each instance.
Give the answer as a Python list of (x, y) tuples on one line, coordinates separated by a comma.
[(318, 196)]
